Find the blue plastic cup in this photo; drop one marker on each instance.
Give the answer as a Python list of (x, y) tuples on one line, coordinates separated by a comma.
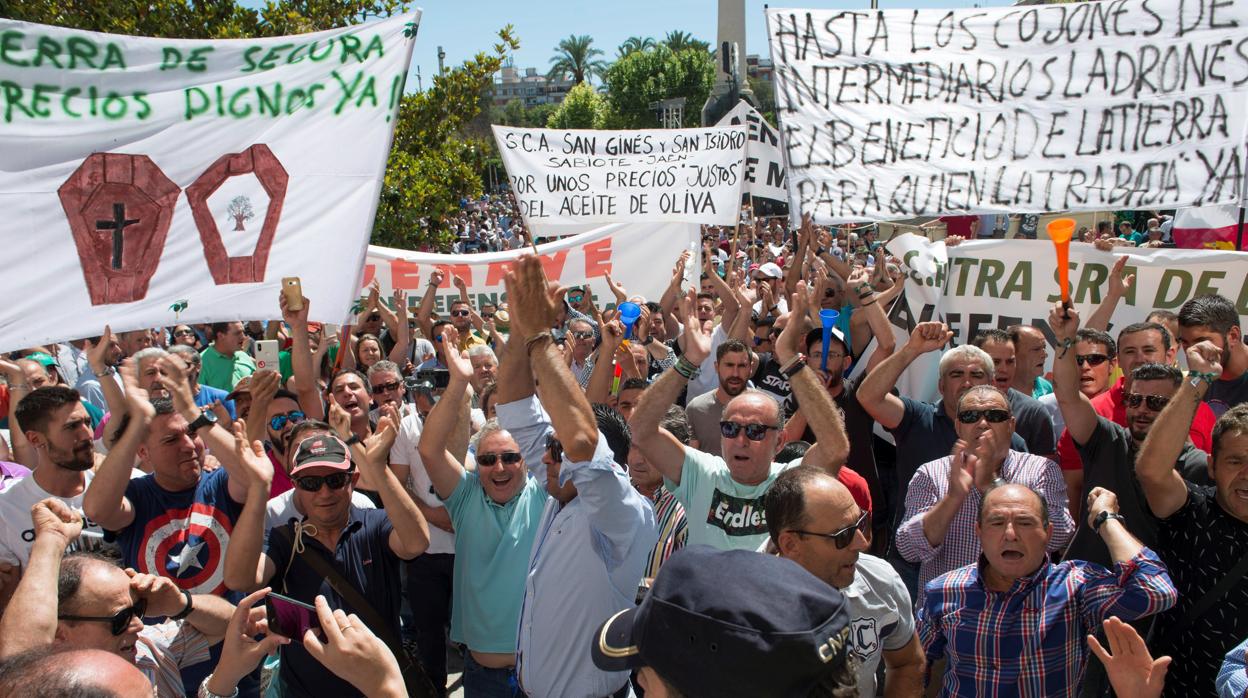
[(629, 313), (828, 317)]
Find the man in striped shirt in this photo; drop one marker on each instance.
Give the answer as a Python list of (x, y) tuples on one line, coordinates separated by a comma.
[(1014, 623), (938, 529)]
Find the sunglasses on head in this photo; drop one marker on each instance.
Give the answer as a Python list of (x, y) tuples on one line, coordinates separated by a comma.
[(994, 416), (753, 432), (1155, 403), (279, 421), (555, 447), (1091, 359), (460, 313), (312, 483), (387, 387), (508, 458), (119, 621), (845, 536)]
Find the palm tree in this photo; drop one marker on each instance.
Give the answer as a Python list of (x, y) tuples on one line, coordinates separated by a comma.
[(634, 44), (678, 41), (575, 56)]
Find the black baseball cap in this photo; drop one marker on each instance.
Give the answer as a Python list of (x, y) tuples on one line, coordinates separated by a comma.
[(730, 623)]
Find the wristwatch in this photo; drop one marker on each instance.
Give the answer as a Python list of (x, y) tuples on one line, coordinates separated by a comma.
[(206, 418), (648, 341), (1104, 516), (190, 606)]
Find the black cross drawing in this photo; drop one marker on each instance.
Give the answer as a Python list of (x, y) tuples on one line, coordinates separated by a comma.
[(118, 226)]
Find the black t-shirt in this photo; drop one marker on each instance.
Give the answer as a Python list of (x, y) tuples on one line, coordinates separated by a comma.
[(1223, 395), (767, 378), (1109, 461), (1200, 543), (1033, 423), (858, 426)]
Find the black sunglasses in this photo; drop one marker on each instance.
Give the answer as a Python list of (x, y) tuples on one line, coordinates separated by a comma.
[(374, 317), (582, 334), (278, 422), (460, 313), (1155, 403), (312, 483), (845, 536), (487, 315), (994, 416), (555, 447), (1091, 359), (119, 621), (508, 458), (753, 432), (387, 387)]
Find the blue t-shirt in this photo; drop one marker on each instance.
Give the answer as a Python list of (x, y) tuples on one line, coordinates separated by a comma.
[(364, 558), (181, 535), (208, 395)]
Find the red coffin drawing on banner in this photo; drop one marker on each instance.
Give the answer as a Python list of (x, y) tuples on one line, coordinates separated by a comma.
[(119, 208), (257, 159)]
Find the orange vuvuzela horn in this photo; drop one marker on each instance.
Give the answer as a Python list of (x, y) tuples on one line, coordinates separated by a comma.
[(1060, 232)]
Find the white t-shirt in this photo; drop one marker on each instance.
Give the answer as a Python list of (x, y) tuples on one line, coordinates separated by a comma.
[(17, 530), (881, 616), (708, 379), (281, 509), (418, 482)]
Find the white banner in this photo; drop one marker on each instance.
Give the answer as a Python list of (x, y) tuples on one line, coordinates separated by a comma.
[(997, 283), (640, 257), (764, 161), (1122, 104), (690, 175), (140, 175)]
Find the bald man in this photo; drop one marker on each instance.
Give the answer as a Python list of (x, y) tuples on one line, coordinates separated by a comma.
[(813, 520), (53, 670)]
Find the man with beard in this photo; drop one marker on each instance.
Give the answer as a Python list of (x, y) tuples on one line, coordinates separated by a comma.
[(1109, 450), (57, 426), (733, 364), (1214, 319)]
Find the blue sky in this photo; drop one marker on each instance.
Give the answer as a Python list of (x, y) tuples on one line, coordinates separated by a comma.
[(465, 27)]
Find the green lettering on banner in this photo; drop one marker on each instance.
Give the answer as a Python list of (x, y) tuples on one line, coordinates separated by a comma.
[(1057, 296), (964, 263), (1091, 276), (990, 272), (1163, 300), (1019, 282), (1241, 304), (1205, 287), (77, 53)]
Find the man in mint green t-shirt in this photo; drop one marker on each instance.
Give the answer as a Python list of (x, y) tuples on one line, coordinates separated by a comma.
[(723, 497), (224, 361)]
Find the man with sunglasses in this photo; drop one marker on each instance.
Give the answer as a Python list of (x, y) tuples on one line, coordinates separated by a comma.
[(812, 519), (364, 546), (938, 528), (1108, 450), (723, 495), (99, 606)]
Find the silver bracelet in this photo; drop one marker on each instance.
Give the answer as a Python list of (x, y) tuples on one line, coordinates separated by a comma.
[(205, 693)]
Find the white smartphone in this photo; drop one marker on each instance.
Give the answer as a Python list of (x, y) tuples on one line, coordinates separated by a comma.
[(266, 355)]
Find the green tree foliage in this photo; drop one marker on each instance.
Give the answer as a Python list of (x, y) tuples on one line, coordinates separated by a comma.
[(764, 98), (633, 44), (575, 56), (581, 108), (679, 41), (433, 162), (199, 19), (638, 79)]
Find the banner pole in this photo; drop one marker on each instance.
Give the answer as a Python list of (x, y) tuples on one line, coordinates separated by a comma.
[(1239, 230)]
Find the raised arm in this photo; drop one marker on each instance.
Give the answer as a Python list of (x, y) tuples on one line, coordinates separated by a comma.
[(30, 619), (671, 295), (301, 360), (105, 500), (97, 358), (263, 387), (218, 440), (599, 388), (1154, 465), (831, 447), (444, 468), (875, 391), (660, 448), (424, 314), (23, 451), (402, 333), (1075, 406), (246, 566), (1118, 285), (410, 536)]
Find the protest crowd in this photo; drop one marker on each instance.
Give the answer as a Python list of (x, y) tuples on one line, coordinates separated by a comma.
[(718, 412), (502, 486)]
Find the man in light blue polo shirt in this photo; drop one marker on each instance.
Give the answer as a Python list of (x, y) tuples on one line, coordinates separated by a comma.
[(496, 511)]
